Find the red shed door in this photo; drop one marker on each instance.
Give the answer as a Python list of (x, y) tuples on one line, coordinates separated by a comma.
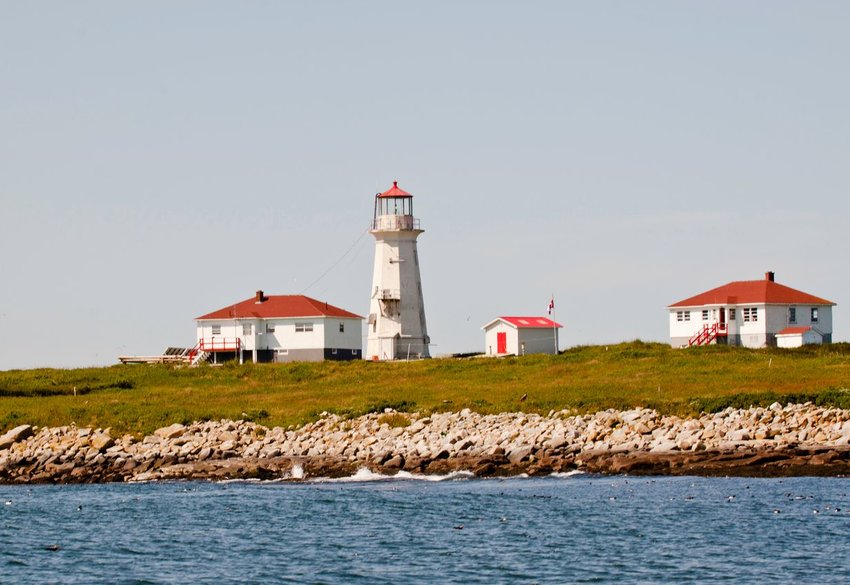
[(501, 342)]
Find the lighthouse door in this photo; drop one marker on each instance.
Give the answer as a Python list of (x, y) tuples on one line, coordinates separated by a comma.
[(501, 342)]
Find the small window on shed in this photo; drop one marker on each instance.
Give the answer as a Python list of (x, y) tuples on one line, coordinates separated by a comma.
[(216, 329)]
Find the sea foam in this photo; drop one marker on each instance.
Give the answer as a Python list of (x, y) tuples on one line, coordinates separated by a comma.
[(365, 475)]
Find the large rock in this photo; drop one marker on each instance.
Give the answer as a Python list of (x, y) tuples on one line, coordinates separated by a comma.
[(17, 434), (171, 431), (101, 442), (517, 455)]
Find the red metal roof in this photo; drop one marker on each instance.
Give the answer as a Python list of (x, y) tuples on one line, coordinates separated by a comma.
[(394, 191), (529, 322), (752, 291), (794, 330), (279, 307)]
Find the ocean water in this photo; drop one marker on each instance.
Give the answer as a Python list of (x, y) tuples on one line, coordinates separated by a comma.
[(567, 529)]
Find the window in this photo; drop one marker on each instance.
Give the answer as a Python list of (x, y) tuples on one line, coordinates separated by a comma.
[(303, 327), (751, 314), (731, 314), (683, 315), (216, 329), (814, 314), (705, 314), (792, 315), (269, 327), (355, 351), (283, 352), (342, 327), (247, 329), (333, 351)]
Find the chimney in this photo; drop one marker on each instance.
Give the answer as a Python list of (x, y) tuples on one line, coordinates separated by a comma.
[(768, 276), (260, 297)]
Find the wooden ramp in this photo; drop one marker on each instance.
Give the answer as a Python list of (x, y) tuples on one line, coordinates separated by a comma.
[(172, 355)]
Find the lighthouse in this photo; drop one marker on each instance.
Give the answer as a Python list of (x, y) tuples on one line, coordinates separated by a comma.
[(396, 310)]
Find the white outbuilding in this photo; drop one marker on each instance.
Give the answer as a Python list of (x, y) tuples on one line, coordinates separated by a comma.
[(798, 336), (521, 336), (278, 328), (751, 313)]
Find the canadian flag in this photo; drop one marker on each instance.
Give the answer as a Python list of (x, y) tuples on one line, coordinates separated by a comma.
[(551, 305)]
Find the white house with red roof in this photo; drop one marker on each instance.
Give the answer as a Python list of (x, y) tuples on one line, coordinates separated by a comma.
[(751, 313), (278, 328), (521, 336)]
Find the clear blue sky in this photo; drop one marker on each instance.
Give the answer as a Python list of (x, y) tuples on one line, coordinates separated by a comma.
[(159, 160)]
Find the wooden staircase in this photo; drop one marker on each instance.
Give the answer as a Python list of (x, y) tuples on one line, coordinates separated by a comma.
[(205, 348), (708, 333)]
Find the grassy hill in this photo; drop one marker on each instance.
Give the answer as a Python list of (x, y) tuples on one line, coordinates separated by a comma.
[(142, 398)]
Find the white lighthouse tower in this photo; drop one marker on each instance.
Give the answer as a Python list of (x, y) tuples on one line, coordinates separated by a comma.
[(396, 311)]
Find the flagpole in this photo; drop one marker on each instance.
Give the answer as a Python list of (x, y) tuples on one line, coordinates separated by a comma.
[(554, 330), (554, 325)]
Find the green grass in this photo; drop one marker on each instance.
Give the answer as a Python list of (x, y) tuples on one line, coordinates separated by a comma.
[(141, 398)]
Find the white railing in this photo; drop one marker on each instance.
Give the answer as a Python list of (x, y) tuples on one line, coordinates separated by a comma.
[(395, 222), (389, 294)]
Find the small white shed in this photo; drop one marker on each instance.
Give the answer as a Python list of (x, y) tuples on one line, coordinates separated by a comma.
[(798, 336), (521, 336)]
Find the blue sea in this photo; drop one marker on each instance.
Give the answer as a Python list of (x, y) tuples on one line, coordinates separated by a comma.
[(566, 529)]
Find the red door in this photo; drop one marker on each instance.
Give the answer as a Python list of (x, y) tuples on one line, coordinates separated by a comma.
[(501, 342)]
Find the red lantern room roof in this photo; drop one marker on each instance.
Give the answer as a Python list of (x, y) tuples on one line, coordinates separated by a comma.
[(394, 191)]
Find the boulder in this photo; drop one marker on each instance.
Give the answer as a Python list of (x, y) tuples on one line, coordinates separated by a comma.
[(101, 442), (664, 446), (171, 431), (518, 454), (19, 433), (395, 462)]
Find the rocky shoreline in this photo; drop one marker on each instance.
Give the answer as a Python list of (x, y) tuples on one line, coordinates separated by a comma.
[(796, 439)]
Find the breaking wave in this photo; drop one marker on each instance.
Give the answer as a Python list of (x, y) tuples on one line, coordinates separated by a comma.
[(364, 475)]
